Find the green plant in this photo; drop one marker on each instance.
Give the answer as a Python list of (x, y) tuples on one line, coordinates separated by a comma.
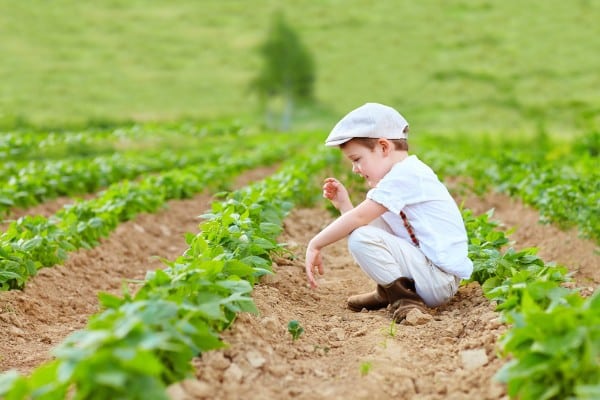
[(295, 329), (365, 367), (556, 350)]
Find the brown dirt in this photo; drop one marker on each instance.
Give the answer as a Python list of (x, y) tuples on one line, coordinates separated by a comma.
[(60, 299), (340, 355)]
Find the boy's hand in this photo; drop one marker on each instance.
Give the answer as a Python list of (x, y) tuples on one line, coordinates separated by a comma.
[(337, 194), (313, 263)]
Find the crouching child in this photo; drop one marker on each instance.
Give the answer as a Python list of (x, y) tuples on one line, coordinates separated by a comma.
[(408, 235)]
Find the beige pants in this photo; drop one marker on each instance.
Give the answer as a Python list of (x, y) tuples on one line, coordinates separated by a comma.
[(385, 257)]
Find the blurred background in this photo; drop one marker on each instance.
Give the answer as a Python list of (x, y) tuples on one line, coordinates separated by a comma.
[(511, 67)]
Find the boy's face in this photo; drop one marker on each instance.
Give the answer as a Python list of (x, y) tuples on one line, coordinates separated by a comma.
[(370, 164)]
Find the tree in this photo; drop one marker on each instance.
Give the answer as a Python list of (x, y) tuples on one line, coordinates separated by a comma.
[(288, 71)]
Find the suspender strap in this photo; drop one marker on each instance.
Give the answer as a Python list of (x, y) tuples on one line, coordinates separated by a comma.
[(409, 228)]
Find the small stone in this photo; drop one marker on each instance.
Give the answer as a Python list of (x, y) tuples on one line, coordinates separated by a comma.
[(270, 323), (197, 389), (319, 373), (255, 359), (277, 370), (176, 392), (139, 228), (16, 331), (453, 330), (234, 373), (219, 361), (165, 230), (417, 317), (360, 332), (337, 334), (473, 359)]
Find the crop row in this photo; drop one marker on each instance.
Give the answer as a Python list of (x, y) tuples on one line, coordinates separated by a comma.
[(33, 182), (41, 181), (563, 186), (553, 340), (140, 343), (33, 242), (34, 145)]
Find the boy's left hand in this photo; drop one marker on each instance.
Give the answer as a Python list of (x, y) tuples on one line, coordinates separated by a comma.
[(313, 264)]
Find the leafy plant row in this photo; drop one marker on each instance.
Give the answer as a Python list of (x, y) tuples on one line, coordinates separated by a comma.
[(33, 242), (553, 340), (27, 183), (140, 343), (37, 182), (19, 145), (34, 145), (564, 186)]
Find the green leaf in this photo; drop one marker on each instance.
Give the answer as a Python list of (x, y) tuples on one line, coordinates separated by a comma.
[(586, 392), (109, 300), (114, 379)]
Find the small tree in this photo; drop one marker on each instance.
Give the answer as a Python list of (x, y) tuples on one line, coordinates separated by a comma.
[(288, 71)]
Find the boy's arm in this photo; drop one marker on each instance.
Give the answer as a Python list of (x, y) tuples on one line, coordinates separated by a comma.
[(360, 215)]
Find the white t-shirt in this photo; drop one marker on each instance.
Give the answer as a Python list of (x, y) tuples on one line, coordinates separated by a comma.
[(411, 186)]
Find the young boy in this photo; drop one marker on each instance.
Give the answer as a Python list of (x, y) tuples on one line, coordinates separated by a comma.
[(408, 234)]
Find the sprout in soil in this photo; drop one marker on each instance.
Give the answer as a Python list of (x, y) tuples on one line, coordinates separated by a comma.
[(295, 329)]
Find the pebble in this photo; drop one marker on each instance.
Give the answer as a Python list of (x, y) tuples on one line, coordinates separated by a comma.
[(197, 389), (473, 359), (219, 361), (255, 359), (417, 317), (270, 323), (337, 333), (234, 373)]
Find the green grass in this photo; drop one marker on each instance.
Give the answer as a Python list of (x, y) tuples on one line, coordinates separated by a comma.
[(506, 67)]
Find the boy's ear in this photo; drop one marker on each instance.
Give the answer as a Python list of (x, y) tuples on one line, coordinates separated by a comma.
[(386, 146)]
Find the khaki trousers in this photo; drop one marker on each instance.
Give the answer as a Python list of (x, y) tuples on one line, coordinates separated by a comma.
[(385, 257)]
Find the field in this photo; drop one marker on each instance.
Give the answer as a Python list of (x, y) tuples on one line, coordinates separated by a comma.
[(509, 67), (108, 242), (153, 230)]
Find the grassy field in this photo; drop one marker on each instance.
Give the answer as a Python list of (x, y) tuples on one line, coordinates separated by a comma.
[(506, 67)]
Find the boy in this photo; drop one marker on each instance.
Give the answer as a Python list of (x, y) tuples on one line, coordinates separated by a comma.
[(408, 234)]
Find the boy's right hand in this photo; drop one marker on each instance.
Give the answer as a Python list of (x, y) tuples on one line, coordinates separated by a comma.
[(336, 192)]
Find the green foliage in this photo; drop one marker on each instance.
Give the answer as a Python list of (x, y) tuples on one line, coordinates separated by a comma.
[(365, 368), (295, 329), (288, 70), (564, 186), (589, 143), (556, 349), (554, 335), (468, 77), (34, 242), (139, 344)]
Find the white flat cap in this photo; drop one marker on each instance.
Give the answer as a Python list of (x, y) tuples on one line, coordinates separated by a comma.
[(372, 120)]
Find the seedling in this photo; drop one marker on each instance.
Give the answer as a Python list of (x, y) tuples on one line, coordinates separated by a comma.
[(295, 329), (365, 367), (393, 329)]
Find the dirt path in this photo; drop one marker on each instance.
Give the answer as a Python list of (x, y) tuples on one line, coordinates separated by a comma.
[(361, 355), (341, 354)]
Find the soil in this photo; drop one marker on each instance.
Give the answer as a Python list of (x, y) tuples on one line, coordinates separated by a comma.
[(450, 353)]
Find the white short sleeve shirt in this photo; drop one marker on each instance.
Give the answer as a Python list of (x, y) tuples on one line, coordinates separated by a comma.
[(411, 186)]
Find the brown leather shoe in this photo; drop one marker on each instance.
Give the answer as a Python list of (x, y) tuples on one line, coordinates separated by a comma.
[(403, 297), (371, 301)]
